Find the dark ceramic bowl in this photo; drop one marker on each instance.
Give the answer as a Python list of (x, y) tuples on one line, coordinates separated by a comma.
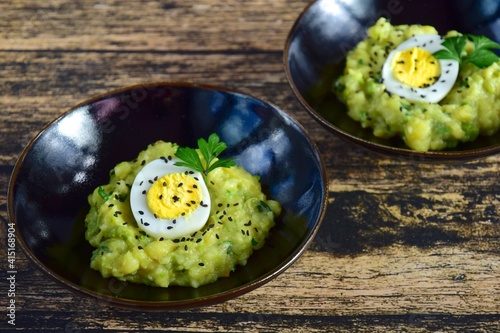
[(47, 196), (317, 44)]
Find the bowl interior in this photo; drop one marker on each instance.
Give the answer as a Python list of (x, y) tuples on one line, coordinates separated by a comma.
[(74, 154), (318, 43)]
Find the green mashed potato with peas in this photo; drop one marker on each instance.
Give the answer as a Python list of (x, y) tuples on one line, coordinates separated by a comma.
[(471, 107), (240, 219)]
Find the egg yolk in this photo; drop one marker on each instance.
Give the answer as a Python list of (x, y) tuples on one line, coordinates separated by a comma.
[(416, 67), (174, 195)]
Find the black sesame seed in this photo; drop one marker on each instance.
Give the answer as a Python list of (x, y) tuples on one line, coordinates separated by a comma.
[(195, 186), (221, 217), (111, 205), (141, 212), (185, 247), (230, 218), (188, 204), (217, 236), (146, 224), (201, 264), (150, 181), (243, 232), (180, 184), (196, 178), (143, 162), (170, 227), (191, 172), (198, 240), (160, 197), (248, 233)]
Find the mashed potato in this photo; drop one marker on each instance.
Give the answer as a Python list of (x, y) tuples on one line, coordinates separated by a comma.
[(239, 223), (470, 109)]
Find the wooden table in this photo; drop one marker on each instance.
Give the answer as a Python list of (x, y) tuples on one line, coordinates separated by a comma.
[(404, 246)]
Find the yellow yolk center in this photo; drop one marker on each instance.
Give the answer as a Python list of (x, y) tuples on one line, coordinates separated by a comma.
[(174, 195), (416, 67)]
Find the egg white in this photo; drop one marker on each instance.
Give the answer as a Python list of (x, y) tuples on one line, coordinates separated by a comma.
[(433, 93), (166, 228)]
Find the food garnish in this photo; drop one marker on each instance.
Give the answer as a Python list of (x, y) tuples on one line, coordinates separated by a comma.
[(209, 150), (481, 56)]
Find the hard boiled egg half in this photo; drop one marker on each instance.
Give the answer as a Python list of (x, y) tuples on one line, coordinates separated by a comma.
[(169, 201), (411, 71)]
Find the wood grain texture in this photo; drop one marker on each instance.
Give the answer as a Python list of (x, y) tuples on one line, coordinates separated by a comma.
[(404, 246)]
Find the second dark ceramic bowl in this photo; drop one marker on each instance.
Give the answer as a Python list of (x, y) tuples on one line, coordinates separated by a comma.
[(68, 159), (326, 30)]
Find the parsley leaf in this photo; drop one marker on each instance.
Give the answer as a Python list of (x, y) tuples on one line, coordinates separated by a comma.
[(210, 151), (482, 42), (453, 48), (189, 159), (481, 56)]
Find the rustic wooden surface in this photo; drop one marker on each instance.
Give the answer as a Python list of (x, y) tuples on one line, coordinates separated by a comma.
[(404, 246)]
